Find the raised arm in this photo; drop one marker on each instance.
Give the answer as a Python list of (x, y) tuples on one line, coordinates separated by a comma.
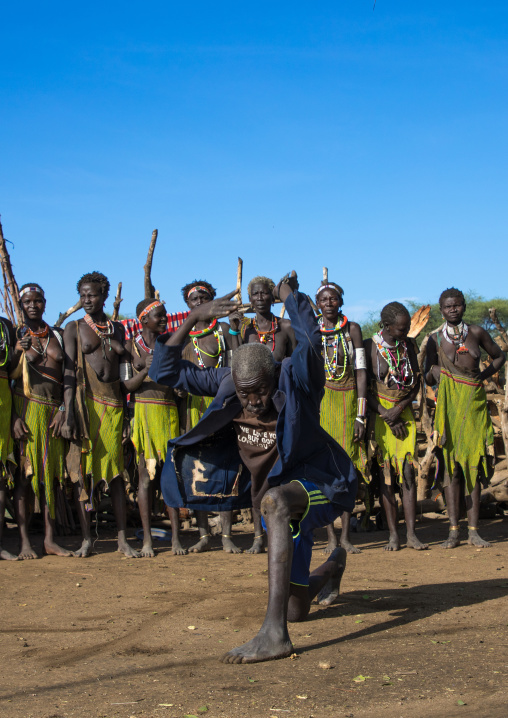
[(306, 360)]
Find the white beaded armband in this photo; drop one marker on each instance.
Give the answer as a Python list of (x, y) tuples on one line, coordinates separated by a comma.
[(125, 371), (360, 362)]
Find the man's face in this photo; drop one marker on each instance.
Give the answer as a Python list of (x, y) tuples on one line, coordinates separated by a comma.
[(399, 329), (255, 393), (33, 305), (453, 309), (91, 297), (156, 320), (195, 299), (261, 297), (328, 302)]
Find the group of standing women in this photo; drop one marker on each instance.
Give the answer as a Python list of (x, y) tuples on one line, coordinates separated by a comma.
[(64, 412)]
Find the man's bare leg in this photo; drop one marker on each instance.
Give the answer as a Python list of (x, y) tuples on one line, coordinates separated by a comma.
[(20, 500), (176, 546), (204, 535), (390, 507), (452, 498), (4, 554), (226, 521), (258, 543), (85, 549), (145, 508), (50, 545), (345, 541), (409, 504), (473, 515), (332, 539), (117, 492), (278, 506)]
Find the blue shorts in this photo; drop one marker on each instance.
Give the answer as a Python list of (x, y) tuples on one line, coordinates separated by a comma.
[(319, 512)]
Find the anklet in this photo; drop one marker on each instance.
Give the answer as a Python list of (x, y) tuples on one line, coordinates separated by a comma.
[(260, 536), (226, 535), (203, 536), (454, 528), (473, 528)]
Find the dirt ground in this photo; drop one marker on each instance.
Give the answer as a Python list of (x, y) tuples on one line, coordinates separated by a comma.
[(413, 634)]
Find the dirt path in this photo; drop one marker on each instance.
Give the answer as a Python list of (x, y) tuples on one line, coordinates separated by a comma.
[(110, 636)]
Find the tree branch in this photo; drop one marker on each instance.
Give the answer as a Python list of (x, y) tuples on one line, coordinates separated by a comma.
[(149, 288)]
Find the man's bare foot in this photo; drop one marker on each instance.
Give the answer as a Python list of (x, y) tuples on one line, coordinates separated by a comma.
[(53, 549), (414, 542), (26, 552), (348, 546), (85, 549), (257, 546), (474, 539), (393, 544), (330, 547), (453, 539), (263, 647), (201, 545), (228, 546), (6, 556), (147, 551), (331, 589), (177, 549), (126, 548)]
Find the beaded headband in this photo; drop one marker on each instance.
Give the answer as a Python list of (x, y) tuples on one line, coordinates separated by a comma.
[(199, 288), (33, 288), (149, 308), (328, 286)]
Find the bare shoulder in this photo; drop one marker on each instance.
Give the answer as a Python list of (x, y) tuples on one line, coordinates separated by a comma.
[(285, 324), (355, 330), (70, 329), (119, 331)]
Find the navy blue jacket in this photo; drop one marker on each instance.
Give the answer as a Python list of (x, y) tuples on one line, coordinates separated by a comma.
[(306, 450)]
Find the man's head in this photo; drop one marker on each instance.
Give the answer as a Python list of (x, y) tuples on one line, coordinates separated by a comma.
[(329, 300), (253, 370), (453, 305), (395, 321)]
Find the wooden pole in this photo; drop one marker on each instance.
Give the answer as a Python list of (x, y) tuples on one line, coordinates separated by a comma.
[(149, 288), (117, 302), (65, 315), (502, 332), (504, 419), (10, 282), (239, 275), (325, 275)]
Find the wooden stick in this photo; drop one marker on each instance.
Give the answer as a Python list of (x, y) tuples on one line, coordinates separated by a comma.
[(282, 311), (325, 275), (11, 285), (64, 315), (117, 302), (313, 305), (504, 420), (502, 332), (149, 288), (239, 274), (157, 295)]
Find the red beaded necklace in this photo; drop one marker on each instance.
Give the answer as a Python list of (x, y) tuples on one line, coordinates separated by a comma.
[(103, 331), (202, 332), (270, 333)]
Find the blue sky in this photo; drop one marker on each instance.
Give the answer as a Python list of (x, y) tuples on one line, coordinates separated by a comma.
[(293, 134)]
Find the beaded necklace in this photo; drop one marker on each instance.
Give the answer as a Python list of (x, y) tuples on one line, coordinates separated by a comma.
[(4, 344), (141, 342), (457, 336), (103, 331), (399, 367), (335, 334), (203, 332), (270, 333), (220, 349), (41, 334)]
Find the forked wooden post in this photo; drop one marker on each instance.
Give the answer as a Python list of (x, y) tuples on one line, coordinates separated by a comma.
[(117, 302), (149, 288)]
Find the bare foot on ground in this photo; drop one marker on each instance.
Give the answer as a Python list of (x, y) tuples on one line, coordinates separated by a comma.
[(53, 549), (331, 589), (263, 647)]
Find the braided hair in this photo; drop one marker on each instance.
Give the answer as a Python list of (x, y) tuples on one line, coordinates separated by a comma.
[(391, 311), (451, 293)]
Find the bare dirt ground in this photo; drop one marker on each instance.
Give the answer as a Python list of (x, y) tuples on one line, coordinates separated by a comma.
[(412, 635)]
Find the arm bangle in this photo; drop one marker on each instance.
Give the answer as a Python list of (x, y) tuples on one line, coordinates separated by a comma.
[(360, 419), (233, 333)]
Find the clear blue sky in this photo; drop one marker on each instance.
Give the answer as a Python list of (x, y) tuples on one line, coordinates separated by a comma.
[(293, 134)]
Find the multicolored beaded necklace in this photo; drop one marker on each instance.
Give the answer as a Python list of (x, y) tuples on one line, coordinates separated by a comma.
[(269, 334), (103, 331), (4, 344), (336, 334), (457, 336), (399, 367), (141, 343), (203, 332), (221, 348), (41, 334)]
